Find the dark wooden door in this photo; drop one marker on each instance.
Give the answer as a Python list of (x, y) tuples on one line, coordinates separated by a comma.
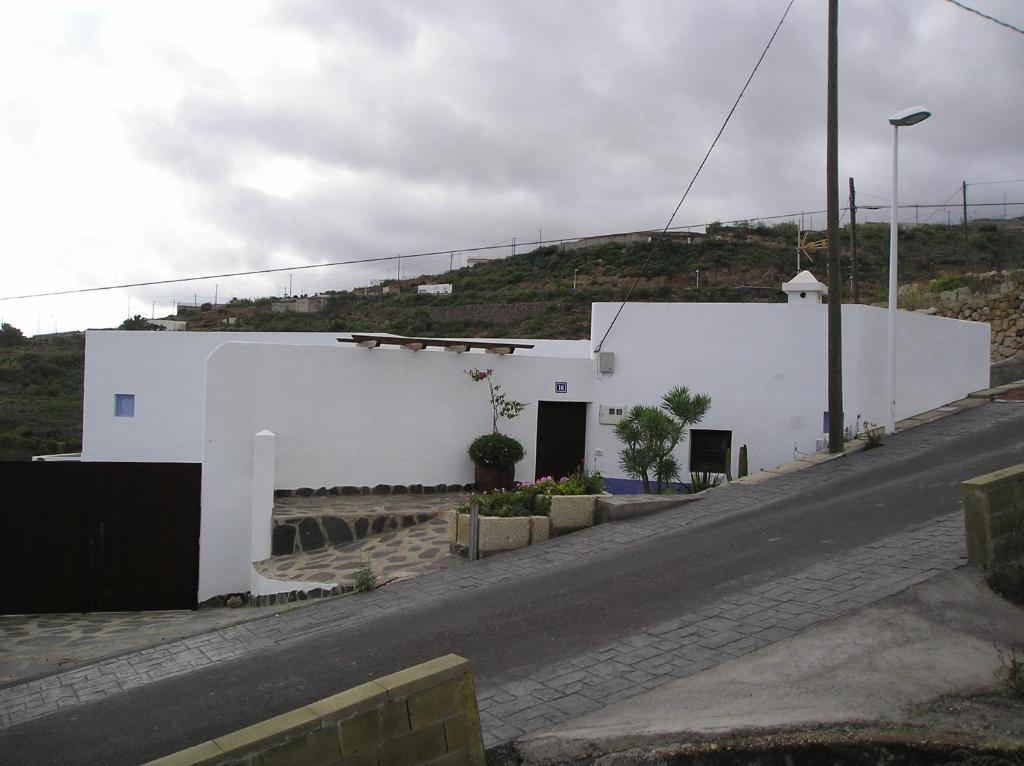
[(561, 438)]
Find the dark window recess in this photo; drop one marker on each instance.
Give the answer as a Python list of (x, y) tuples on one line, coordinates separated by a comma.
[(709, 450)]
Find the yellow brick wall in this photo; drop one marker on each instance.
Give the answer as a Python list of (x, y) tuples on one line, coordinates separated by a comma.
[(426, 714), (994, 516)]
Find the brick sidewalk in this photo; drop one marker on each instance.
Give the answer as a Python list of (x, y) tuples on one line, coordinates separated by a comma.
[(736, 625), (679, 647)]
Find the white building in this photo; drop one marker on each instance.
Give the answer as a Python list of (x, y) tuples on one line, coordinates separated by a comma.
[(443, 289), (341, 414)]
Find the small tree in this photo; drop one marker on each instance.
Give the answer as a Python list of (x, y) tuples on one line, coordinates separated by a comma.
[(11, 335), (650, 435), (138, 322), (501, 405)]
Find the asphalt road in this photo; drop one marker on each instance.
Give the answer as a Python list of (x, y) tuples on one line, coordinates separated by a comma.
[(512, 628)]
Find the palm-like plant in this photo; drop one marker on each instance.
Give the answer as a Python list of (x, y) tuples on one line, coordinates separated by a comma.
[(650, 435)]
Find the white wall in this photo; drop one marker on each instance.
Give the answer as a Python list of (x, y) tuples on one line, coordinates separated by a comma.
[(166, 372), (352, 416), (938, 361), (762, 365), (765, 368)]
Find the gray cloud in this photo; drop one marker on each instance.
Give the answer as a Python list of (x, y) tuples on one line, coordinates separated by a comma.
[(465, 123)]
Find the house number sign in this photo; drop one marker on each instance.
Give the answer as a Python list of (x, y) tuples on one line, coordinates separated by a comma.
[(561, 387)]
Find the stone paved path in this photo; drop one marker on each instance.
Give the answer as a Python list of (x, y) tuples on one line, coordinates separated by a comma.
[(680, 646), (396, 555)]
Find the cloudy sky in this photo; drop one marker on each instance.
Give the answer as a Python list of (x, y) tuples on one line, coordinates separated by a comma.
[(144, 141)]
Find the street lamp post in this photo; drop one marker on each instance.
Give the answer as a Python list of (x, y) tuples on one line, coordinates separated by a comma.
[(906, 118)]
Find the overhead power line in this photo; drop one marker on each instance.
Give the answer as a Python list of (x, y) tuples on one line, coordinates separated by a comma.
[(986, 16), (693, 180), (477, 249), (993, 183)]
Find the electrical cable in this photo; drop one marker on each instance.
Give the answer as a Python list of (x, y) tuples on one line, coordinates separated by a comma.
[(986, 16), (956, 191), (693, 180)]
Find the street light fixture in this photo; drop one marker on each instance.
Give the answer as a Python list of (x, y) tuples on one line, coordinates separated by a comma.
[(906, 118)]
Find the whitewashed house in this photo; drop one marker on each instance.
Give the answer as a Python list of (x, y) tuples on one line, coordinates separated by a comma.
[(333, 413)]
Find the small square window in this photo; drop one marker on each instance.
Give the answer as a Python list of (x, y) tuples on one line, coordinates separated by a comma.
[(124, 405)]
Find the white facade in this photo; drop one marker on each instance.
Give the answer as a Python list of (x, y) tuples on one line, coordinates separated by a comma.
[(445, 289), (350, 416), (166, 373), (765, 368), (340, 414), (173, 325)]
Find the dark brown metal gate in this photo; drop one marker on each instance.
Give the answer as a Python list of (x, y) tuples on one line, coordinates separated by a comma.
[(82, 537)]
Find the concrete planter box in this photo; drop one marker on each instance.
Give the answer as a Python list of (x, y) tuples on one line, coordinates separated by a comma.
[(540, 529), (570, 512), (496, 533)]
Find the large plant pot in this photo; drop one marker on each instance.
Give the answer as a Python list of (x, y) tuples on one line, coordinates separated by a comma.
[(488, 479)]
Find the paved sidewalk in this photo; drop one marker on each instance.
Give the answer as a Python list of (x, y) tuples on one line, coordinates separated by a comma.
[(678, 647), (35, 645)]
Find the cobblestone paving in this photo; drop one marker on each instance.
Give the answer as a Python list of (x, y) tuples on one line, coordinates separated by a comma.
[(682, 646), (396, 555)]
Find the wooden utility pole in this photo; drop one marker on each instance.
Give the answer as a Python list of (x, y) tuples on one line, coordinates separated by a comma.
[(854, 279), (963, 223), (835, 278)]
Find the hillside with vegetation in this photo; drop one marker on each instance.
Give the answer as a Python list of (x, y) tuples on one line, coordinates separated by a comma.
[(530, 295), (40, 394)]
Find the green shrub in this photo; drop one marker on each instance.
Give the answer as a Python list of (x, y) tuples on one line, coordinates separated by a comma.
[(518, 502), (947, 282), (704, 480), (495, 451), (873, 435), (365, 579)]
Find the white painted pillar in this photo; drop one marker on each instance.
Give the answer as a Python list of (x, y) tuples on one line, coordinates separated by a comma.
[(262, 494)]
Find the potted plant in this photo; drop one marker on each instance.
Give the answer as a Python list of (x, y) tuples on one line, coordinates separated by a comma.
[(495, 455)]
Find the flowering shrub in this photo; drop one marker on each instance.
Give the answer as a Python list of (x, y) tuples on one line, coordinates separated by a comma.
[(533, 498), (581, 482)]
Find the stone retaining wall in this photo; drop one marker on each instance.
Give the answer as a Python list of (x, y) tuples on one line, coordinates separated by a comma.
[(426, 714), (379, 489), (1003, 309), (303, 533), (994, 516)]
